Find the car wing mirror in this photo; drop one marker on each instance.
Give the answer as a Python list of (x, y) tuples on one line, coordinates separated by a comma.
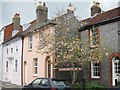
[(30, 84)]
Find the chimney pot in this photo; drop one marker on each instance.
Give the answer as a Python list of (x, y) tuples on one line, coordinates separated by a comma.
[(94, 3), (97, 4), (44, 4), (70, 8), (16, 21)]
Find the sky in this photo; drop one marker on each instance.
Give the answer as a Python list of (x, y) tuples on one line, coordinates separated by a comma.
[(27, 8)]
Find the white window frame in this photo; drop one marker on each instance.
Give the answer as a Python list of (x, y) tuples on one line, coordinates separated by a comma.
[(116, 67), (95, 68), (35, 66), (6, 66), (93, 43), (7, 50), (11, 49), (16, 65), (16, 48), (30, 41), (42, 42)]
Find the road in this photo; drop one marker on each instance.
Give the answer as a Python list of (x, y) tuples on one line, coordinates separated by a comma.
[(9, 86)]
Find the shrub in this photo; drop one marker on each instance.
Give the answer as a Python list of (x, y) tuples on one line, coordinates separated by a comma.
[(89, 85), (94, 85), (77, 85)]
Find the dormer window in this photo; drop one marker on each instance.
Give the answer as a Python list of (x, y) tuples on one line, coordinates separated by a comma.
[(14, 32)]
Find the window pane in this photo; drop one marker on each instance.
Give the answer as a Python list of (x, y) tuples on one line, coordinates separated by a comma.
[(36, 82), (95, 69), (30, 46), (11, 50), (16, 48), (42, 39), (7, 50), (45, 82), (16, 63), (93, 37), (30, 41), (35, 61), (31, 38), (6, 66), (35, 70)]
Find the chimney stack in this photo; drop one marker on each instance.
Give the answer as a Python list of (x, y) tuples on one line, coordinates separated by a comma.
[(41, 13), (16, 21), (95, 8), (70, 8)]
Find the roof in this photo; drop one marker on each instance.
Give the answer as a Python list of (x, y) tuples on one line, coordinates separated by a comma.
[(33, 26), (102, 17), (8, 32)]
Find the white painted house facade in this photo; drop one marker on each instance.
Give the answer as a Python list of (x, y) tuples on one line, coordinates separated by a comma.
[(12, 52), (1, 41)]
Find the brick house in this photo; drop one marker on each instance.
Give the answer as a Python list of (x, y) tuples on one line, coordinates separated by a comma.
[(103, 28)]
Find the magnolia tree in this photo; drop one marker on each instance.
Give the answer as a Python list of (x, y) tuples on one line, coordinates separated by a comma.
[(66, 44)]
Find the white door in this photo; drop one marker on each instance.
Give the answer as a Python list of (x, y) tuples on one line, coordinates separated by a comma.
[(115, 71), (10, 70)]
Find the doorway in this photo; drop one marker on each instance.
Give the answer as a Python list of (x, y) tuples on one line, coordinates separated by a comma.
[(115, 71)]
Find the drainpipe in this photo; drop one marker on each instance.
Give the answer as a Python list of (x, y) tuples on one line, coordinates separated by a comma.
[(22, 61)]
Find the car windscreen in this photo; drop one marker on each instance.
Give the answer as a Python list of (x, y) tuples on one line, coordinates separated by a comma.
[(61, 83)]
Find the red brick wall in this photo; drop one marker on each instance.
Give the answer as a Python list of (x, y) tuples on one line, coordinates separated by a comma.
[(8, 31)]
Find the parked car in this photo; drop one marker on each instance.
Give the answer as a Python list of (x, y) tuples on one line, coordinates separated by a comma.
[(48, 84)]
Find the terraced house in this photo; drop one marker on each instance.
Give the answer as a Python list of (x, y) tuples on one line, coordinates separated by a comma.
[(36, 64), (22, 62), (102, 30), (1, 57), (12, 52)]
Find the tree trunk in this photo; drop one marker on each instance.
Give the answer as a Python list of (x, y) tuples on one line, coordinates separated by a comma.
[(83, 77), (74, 76)]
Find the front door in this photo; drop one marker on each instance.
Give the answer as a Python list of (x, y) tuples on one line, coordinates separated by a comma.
[(115, 71), (10, 70), (25, 72)]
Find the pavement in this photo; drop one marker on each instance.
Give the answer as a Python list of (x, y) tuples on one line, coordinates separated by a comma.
[(8, 85)]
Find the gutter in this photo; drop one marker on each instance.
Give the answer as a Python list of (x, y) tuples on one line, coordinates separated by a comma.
[(100, 23)]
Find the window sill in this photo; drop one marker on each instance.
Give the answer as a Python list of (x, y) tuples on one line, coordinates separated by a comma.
[(35, 75), (95, 78), (6, 72), (29, 50), (93, 47)]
